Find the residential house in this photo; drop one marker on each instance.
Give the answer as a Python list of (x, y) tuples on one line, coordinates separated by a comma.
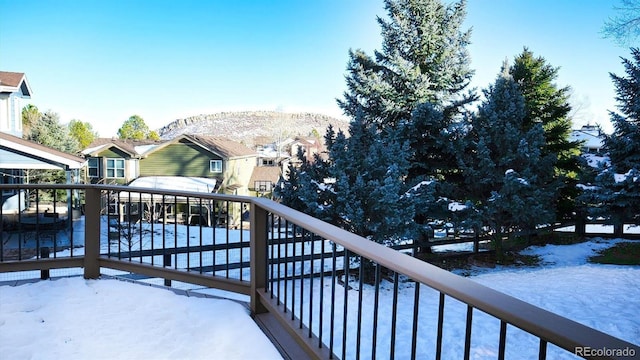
[(264, 179), (14, 90), (114, 161), (591, 138), (119, 161), (17, 155), (309, 145)]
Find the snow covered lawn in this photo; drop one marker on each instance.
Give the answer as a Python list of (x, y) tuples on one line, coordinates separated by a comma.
[(75, 318)]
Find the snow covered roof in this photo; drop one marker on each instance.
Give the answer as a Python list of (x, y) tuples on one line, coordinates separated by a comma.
[(182, 183), (590, 137)]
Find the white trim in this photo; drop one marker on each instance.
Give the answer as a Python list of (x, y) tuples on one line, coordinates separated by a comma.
[(43, 154)]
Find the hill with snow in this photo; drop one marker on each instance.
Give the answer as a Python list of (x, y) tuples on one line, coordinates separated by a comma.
[(246, 126)]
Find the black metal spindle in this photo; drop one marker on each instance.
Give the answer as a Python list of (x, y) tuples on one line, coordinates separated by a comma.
[(321, 305), (175, 231), (394, 316), (302, 236), (359, 322), (227, 223), (241, 239), (503, 340), (376, 303), (188, 226), (200, 221), (152, 208), (213, 231), (293, 273), (286, 267), (542, 353), (164, 233), (279, 258), (345, 303), (55, 214), (440, 324), (333, 298), (141, 216), (70, 229), (416, 309), (37, 222), (311, 276), (467, 335)]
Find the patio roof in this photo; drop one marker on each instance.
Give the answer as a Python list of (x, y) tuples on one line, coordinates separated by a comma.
[(18, 153)]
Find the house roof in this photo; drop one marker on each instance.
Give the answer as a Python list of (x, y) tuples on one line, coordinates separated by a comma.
[(264, 173), (225, 147), (18, 153), (12, 81), (131, 147), (589, 136)]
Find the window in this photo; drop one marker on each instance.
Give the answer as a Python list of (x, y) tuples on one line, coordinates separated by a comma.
[(262, 185), (215, 166), (115, 168), (94, 167), (268, 162)]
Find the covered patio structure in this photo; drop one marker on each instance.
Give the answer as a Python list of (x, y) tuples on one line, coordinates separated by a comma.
[(18, 156)]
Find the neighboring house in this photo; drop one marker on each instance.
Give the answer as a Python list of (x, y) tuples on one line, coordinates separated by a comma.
[(591, 138), (18, 156), (264, 179), (227, 161), (14, 89), (118, 161), (114, 161), (310, 145)]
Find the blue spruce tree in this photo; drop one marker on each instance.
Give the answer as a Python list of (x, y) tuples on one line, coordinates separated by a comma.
[(509, 181)]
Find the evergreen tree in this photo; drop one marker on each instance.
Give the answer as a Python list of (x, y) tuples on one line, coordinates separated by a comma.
[(370, 194), (49, 132), (615, 193), (404, 102), (509, 180), (548, 105), (423, 61), (623, 145)]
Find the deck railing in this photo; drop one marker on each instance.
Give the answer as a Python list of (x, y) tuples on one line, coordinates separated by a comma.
[(338, 294)]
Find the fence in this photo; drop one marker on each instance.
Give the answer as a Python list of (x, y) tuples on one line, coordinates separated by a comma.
[(337, 294)]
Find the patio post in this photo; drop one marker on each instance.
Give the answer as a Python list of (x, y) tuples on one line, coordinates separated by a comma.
[(258, 256), (92, 233)]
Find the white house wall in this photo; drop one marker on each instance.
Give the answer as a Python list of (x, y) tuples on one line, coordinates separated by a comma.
[(11, 113)]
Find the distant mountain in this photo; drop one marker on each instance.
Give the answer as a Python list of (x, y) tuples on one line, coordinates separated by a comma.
[(251, 126)]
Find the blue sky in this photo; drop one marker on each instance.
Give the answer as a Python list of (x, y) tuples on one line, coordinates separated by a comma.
[(103, 61)]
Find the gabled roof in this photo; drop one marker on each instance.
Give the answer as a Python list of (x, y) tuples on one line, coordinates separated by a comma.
[(264, 173), (24, 154), (12, 81), (223, 147), (131, 147)]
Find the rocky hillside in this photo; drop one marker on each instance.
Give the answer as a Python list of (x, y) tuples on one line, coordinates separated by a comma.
[(247, 126)]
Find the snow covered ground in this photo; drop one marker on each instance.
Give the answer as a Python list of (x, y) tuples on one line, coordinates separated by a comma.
[(75, 318)]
